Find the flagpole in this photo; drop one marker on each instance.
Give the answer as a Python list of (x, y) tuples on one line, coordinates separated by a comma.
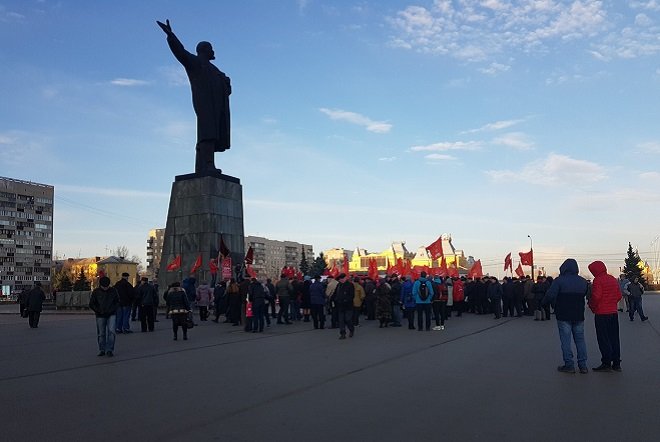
[(531, 249)]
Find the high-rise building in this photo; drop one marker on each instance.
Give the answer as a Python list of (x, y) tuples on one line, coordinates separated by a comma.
[(270, 256), (26, 234), (154, 252)]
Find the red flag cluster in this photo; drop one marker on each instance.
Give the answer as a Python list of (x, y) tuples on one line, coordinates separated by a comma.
[(435, 249)]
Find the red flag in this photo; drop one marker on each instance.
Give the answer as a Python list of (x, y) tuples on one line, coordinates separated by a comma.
[(175, 264), (391, 270), (508, 263), (224, 250), (373, 269), (407, 269), (453, 271), (213, 266), (344, 266), (400, 267), (334, 271), (197, 265), (436, 248), (226, 268), (519, 271), (526, 259), (476, 271), (249, 256), (250, 271), (414, 273), (443, 267)]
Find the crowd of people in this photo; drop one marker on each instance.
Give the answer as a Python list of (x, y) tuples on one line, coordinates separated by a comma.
[(424, 304)]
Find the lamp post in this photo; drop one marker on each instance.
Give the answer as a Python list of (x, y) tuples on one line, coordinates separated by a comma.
[(531, 249)]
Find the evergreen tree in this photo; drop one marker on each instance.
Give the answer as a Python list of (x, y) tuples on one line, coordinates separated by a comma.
[(304, 265), (632, 267), (62, 281), (81, 284), (318, 266)]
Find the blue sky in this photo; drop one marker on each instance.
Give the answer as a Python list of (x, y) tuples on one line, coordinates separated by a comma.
[(354, 123)]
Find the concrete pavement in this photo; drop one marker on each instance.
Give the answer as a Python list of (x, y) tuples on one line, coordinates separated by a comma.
[(480, 379)]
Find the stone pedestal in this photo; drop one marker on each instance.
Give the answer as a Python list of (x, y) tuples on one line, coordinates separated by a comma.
[(202, 207)]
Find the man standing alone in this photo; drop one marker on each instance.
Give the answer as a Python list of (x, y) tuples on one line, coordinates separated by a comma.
[(104, 302), (605, 295), (35, 300), (567, 293)]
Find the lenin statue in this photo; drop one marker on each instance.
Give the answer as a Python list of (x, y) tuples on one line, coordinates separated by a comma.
[(210, 95)]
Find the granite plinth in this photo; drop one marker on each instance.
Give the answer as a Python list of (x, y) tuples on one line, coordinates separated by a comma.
[(202, 207)]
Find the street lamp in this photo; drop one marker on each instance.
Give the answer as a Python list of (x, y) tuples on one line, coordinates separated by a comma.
[(531, 249)]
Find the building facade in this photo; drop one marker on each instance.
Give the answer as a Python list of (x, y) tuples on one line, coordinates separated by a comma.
[(26, 234), (154, 252), (270, 256)]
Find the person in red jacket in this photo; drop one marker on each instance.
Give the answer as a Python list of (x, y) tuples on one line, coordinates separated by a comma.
[(605, 295)]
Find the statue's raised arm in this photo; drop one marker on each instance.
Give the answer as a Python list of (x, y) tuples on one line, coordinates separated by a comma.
[(165, 27)]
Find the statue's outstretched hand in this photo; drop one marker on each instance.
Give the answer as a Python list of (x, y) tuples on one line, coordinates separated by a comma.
[(165, 26)]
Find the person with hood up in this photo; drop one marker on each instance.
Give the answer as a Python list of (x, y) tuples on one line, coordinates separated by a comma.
[(605, 296), (636, 290), (204, 298), (567, 293)]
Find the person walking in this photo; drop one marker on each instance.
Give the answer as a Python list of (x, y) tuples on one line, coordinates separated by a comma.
[(623, 283), (605, 296), (344, 303), (34, 304), (568, 292), (383, 303), (317, 302), (284, 290), (423, 294), (104, 302), (257, 297), (358, 300), (178, 307), (126, 298), (148, 298), (636, 290)]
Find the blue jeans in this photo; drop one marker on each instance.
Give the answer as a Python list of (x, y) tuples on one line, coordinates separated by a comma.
[(105, 333), (576, 330), (123, 318)]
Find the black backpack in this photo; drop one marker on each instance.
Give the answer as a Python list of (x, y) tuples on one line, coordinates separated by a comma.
[(423, 291)]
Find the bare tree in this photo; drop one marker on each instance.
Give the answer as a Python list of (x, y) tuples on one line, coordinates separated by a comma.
[(121, 252)]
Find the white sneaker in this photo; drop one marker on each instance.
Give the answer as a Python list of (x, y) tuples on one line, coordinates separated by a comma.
[(442, 327), (437, 327)]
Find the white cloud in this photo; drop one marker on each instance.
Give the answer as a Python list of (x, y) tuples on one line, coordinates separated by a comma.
[(649, 146), (448, 145), (129, 82), (514, 140), (477, 30), (652, 177), (494, 69), (387, 159), (497, 125), (554, 170), (24, 149), (111, 192), (174, 75), (439, 157), (358, 119)]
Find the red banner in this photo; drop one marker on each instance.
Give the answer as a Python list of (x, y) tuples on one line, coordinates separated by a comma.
[(519, 271), (344, 266), (175, 264), (508, 263), (526, 259), (435, 249), (213, 266), (476, 271), (226, 268), (249, 256), (196, 265)]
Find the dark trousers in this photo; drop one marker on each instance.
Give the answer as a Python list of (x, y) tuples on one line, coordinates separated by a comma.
[(258, 312), (334, 317), (460, 307), (203, 312), (518, 305), (496, 306), (356, 315), (147, 317), (607, 333), (636, 306), (180, 319), (423, 309), (33, 318), (318, 315), (284, 310), (370, 304), (345, 320), (410, 315), (134, 311), (508, 304), (440, 312), (272, 308)]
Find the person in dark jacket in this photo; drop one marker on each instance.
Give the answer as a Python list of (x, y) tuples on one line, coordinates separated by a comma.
[(518, 296), (178, 306), (395, 297), (219, 299), (257, 297), (126, 298), (408, 301), (494, 295), (148, 299), (317, 302), (104, 302), (635, 290), (272, 303), (370, 299), (189, 284), (508, 298), (34, 304), (344, 294), (568, 292), (284, 290)]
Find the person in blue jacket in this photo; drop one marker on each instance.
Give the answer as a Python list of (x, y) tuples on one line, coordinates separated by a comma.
[(408, 301), (567, 293), (423, 293)]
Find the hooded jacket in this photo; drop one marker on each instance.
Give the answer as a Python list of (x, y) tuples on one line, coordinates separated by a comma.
[(429, 289), (567, 293), (605, 292)]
